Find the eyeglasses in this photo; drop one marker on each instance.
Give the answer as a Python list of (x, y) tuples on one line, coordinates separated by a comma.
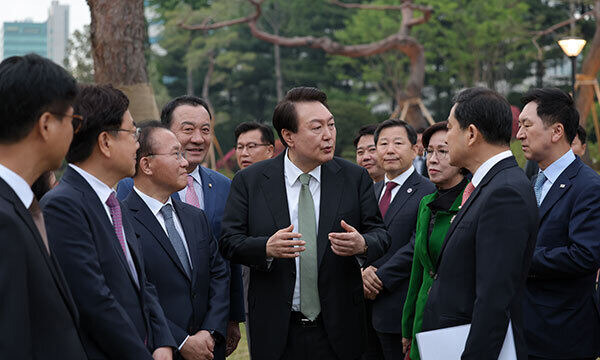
[(441, 153), (135, 133), (180, 155), (250, 146), (76, 121)]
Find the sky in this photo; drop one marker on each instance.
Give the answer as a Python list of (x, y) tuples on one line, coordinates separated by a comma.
[(37, 10)]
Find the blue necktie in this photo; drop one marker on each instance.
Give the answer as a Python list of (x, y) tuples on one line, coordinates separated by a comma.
[(176, 241), (537, 188)]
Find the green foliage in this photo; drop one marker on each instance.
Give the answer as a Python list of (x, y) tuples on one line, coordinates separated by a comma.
[(79, 59)]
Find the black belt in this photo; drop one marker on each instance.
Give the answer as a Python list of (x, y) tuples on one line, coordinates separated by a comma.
[(298, 318)]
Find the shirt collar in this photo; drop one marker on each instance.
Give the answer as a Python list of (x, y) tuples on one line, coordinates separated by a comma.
[(400, 179), (196, 175), (100, 188), (488, 165), (553, 171), (154, 205), (18, 184), (292, 172)]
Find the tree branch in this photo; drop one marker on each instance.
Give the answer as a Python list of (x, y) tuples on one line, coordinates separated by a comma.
[(206, 26), (406, 4)]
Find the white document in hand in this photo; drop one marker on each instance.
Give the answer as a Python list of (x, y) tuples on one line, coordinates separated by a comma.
[(449, 343)]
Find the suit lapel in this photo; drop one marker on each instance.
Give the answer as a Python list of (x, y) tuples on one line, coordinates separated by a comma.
[(404, 193), (144, 216), (378, 188), (208, 192), (9, 194), (97, 208), (331, 193), (501, 165), (273, 188), (560, 187)]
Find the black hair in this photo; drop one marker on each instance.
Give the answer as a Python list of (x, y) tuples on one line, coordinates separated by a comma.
[(410, 131), (364, 130), (29, 86), (166, 115), (581, 134), (146, 141), (428, 133), (488, 111), (285, 116), (266, 134), (102, 108), (555, 106)]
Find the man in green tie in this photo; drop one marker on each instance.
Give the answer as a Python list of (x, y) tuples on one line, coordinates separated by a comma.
[(304, 222)]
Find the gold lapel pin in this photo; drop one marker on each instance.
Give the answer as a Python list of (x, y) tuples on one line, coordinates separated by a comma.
[(562, 186), (209, 185), (409, 190)]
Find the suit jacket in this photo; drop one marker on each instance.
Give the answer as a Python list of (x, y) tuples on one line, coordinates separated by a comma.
[(483, 264), (190, 304), (117, 317), (215, 188), (39, 318), (257, 208), (561, 320), (400, 220)]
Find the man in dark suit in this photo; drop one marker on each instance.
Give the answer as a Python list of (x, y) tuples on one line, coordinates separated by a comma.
[(180, 252), (189, 118), (481, 270), (399, 195), (304, 222), (560, 317), (94, 240), (38, 319)]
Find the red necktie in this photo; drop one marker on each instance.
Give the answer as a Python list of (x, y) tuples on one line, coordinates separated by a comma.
[(385, 201), (468, 191), (190, 193)]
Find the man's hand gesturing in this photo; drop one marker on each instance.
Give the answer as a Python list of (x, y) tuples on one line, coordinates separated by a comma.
[(347, 243), (281, 244)]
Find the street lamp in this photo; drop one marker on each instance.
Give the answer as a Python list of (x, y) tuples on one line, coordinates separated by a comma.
[(572, 46)]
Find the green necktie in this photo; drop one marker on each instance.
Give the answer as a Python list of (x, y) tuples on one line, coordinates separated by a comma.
[(310, 306)]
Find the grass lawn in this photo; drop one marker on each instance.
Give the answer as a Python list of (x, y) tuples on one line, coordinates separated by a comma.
[(241, 353)]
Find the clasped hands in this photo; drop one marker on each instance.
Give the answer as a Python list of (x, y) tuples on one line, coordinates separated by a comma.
[(372, 285), (283, 243)]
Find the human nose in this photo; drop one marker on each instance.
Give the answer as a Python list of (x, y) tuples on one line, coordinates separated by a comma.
[(521, 133), (197, 137)]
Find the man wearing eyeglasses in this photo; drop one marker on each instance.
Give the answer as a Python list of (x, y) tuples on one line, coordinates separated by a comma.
[(181, 253), (189, 118), (254, 142), (94, 241), (38, 318)]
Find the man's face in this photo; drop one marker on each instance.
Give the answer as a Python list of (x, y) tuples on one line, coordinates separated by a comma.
[(535, 136), (394, 151), (167, 164), (577, 147), (191, 125), (126, 146), (456, 138), (420, 149), (314, 142), (250, 149), (366, 156)]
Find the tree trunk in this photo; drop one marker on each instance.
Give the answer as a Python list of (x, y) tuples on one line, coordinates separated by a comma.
[(118, 34), (189, 80), (590, 67)]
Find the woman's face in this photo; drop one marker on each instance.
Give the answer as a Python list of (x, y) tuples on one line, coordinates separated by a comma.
[(441, 173)]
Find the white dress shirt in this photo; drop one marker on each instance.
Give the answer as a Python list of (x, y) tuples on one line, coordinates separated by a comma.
[(292, 188), (197, 186), (553, 171), (103, 192), (400, 179), (155, 206), (488, 165), (18, 184)]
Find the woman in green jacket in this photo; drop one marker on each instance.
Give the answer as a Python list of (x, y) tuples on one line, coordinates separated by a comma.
[(436, 212)]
